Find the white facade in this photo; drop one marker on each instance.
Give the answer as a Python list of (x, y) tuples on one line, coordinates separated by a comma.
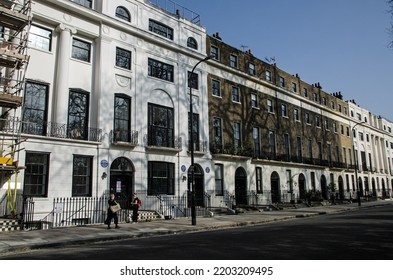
[(98, 75), (372, 141), (99, 79)]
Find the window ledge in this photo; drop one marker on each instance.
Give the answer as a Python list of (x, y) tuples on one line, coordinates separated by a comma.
[(163, 149), (126, 144)]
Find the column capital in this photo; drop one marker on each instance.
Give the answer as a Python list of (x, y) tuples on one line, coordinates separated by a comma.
[(65, 27)]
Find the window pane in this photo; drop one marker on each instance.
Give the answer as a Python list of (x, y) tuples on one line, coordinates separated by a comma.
[(122, 119), (160, 29), (123, 58), (161, 178), (78, 115), (193, 79), (218, 171), (40, 38), (122, 13), (86, 3), (216, 89), (160, 70), (35, 109), (160, 130), (81, 50), (192, 43), (36, 174), (81, 181)]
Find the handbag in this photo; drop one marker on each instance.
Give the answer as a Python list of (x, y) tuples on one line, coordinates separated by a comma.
[(115, 208)]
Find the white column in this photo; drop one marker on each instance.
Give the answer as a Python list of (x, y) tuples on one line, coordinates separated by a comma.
[(383, 155), (62, 73), (379, 148), (374, 153)]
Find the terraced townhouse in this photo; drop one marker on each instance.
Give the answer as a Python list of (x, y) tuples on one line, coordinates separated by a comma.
[(104, 107)]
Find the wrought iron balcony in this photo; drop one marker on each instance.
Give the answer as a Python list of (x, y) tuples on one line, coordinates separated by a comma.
[(50, 129), (162, 141), (200, 146), (126, 137), (230, 149)]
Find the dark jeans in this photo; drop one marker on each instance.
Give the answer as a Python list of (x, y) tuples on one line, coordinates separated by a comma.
[(135, 213), (111, 216)]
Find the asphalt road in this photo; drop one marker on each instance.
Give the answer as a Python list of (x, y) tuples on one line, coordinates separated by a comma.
[(358, 235)]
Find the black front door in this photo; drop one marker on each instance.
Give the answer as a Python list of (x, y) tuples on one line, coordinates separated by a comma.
[(275, 187), (199, 186), (122, 181), (121, 186), (241, 186)]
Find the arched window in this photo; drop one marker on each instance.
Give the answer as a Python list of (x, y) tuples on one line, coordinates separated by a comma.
[(123, 13), (192, 43)]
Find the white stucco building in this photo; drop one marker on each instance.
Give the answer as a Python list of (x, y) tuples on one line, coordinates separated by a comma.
[(106, 109)]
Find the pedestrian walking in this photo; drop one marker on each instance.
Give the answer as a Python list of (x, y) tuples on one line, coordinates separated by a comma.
[(136, 203), (113, 208)]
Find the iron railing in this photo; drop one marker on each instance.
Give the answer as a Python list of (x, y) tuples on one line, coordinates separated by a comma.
[(230, 149), (77, 211), (50, 129), (166, 141), (173, 8), (124, 136), (199, 146), (27, 216), (5, 211)]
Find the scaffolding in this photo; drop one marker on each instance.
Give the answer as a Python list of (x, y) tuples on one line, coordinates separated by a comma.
[(15, 21)]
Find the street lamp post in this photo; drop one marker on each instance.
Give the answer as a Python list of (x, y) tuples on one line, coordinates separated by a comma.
[(192, 169), (356, 165)]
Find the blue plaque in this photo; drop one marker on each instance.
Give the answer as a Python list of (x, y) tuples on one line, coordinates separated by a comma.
[(104, 163)]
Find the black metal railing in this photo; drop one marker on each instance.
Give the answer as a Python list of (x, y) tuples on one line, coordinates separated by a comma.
[(76, 211), (50, 129), (5, 203), (176, 9), (125, 136), (229, 200), (231, 149), (27, 216), (70, 211), (199, 146), (165, 141)]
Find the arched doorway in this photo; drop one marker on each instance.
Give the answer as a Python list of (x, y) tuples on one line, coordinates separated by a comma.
[(366, 187), (122, 179), (324, 189), (341, 188), (374, 187), (302, 186), (391, 183), (199, 179), (241, 186), (275, 187), (384, 193), (360, 186)]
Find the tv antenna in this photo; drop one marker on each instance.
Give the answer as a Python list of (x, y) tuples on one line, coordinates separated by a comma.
[(243, 47)]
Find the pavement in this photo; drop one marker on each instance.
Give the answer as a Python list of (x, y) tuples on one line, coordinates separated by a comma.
[(17, 241)]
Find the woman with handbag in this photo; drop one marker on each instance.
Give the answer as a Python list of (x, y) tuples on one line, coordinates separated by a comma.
[(113, 207)]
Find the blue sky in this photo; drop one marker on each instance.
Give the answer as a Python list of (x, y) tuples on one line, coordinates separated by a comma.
[(342, 44)]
